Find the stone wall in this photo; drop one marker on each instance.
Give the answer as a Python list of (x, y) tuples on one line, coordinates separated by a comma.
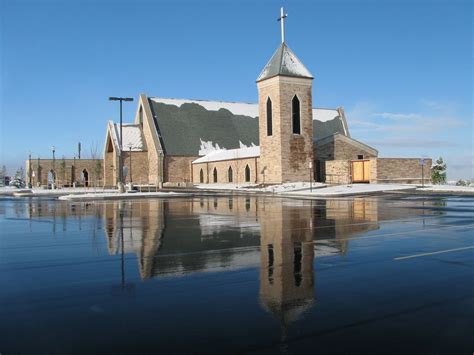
[(338, 171), (178, 168), (338, 148), (401, 171), (153, 145), (110, 169), (344, 150), (85, 172), (139, 167), (286, 156), (238, 171)]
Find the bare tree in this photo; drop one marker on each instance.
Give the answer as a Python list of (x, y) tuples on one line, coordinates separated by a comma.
[(97, 171)]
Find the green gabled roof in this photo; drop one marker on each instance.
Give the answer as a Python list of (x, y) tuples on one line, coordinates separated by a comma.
[(284, 62), (324, 129), (182, 128)]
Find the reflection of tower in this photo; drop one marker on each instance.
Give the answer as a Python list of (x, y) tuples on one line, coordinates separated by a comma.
[(286, 263)]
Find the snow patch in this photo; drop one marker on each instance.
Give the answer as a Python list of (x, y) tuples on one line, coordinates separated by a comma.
[(237, 108), (208, 147), (294, 66), (229, 154), (242, 108)]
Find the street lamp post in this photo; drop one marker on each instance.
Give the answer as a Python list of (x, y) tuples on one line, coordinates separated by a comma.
[(30, 185), (73, 172), (53, 148), (120, 99), (130, 152), (310, 176)]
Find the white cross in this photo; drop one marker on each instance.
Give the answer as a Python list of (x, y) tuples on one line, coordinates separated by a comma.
[(282, 20)]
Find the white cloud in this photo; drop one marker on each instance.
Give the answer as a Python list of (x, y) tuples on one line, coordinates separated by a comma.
[(434, 129)]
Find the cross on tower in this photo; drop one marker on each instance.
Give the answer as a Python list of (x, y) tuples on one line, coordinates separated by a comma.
[(282, 20)]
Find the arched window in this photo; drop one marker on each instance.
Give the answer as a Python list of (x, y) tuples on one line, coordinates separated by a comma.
[(51, 177), (201, 176), (247, 173), (297, 263), (214, 173), (85, 177), (230, 176), (269, 117), (295, 113)]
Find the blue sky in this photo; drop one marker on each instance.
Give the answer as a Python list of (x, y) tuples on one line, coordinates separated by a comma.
[(402, 69)]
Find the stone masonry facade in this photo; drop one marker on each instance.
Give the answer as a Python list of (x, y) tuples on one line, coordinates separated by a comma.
[(65, 172), (285, 156), (238, 167), (400, 170)]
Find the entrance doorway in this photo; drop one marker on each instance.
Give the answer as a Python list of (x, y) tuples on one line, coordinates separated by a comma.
[(85, 177), (361, 171)]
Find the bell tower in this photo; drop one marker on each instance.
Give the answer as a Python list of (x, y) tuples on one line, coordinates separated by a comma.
[(285, 116)]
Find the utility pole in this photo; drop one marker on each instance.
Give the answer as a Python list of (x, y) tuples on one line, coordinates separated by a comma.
[(30, 185), (120, 99), (130, 152), (53, 148)]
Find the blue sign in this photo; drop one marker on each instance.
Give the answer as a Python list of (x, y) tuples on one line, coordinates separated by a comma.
[(422, 162)]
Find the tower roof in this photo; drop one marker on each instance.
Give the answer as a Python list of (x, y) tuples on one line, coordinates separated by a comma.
[(284, 62)]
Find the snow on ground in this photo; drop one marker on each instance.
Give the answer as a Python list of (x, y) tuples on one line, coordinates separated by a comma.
[(448, 188), (293, 186), (302, 188), (119, 196), (354, 189)]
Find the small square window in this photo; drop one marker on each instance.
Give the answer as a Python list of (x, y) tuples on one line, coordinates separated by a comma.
[(360, 156)]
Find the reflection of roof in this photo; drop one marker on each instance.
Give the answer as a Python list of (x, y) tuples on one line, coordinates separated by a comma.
[(223, 154), (288, 312), (284, 62), (184, 124), (132, 136)]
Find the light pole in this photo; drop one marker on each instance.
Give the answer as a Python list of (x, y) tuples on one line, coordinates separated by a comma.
[(53, 148), (130, 152), (30, 185), (73, 172), (310, 176), (121, 99)]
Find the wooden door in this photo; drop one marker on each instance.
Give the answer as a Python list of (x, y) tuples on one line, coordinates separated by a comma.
[(361, 171)]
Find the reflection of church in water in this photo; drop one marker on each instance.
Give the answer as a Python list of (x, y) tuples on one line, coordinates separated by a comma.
[(177, 237)]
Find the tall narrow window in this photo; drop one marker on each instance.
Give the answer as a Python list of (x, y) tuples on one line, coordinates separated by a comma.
[(297, 258), (247, 173), (230, 175), (215, 175), (270, 263), (269, 117), (295, 112), (201, 176)]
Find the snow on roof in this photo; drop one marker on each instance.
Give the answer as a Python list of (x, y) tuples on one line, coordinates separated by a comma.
[(230, 154), (284, 62), (324, 114), (242, 108), (132, 137), (237, 108)]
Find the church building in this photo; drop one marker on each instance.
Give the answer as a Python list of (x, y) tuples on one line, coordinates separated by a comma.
[(282, 138)]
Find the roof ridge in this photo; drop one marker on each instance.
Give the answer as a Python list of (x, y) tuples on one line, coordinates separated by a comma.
[(229, 102)]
